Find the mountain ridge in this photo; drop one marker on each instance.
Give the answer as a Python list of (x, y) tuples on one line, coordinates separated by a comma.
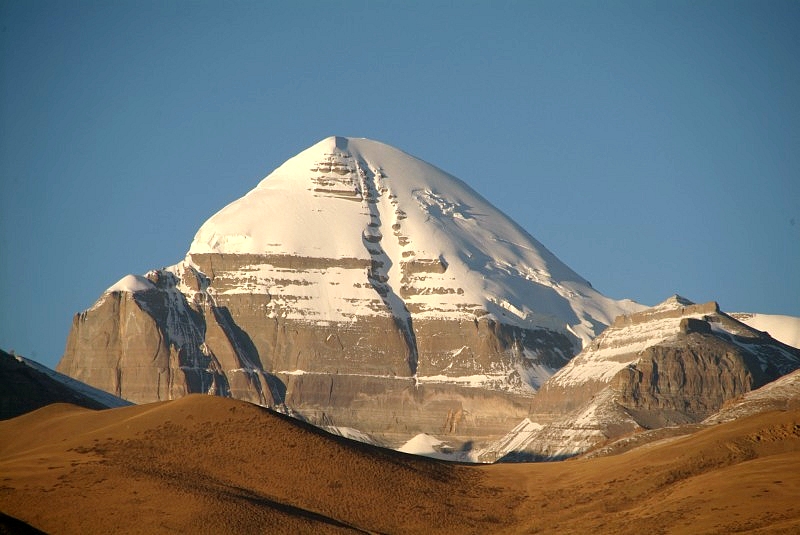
[(28, 385), (672, 364)]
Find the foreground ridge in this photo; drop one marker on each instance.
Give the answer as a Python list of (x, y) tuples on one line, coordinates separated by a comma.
[(204, 463)]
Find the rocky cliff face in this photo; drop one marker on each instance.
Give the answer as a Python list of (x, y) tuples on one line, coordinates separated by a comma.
[(145, 341), (673, 364), (355, 286)]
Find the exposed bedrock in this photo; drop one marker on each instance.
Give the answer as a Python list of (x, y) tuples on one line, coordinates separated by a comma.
[(155, 345), (473, 378)]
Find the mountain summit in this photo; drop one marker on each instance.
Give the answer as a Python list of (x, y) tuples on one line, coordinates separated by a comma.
[(357, 286), (433, 245)]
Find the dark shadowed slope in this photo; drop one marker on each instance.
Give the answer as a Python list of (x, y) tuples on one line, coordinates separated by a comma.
[(26, 385)]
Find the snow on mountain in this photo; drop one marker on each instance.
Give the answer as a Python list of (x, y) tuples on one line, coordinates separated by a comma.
[(782, 328), (516, 440), (562, 436), (430, 446), (623, 340), (353, 434), (131, 283), (372, 294), (620, 344), (415, 217), (421, 444)]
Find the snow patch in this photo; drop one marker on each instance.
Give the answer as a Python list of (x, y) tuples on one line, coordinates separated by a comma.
[(430, 446), (353, 434), (422, 444), (131, 283), (785, 329)]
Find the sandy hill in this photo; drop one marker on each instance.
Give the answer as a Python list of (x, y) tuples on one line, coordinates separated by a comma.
[(205, 464)]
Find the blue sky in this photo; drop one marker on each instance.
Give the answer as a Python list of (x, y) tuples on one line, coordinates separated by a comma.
[(652, 146)]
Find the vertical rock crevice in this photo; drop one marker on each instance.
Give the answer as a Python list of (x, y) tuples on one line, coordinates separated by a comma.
[(381, 263)]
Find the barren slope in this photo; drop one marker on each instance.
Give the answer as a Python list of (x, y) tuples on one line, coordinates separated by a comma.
[(206, 464), (743, 476)]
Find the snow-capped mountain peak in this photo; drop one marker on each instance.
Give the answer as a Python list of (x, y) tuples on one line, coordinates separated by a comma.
[(353, 280), (427, 238)]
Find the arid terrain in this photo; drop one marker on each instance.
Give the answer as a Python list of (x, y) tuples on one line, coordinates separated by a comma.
[(205, 464)]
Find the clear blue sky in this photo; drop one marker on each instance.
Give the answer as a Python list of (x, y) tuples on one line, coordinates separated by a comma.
[(653, 146)]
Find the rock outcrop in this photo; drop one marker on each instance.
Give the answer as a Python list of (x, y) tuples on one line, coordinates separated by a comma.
[(676, 363), (355, 286), (144, 341), (780, 395)]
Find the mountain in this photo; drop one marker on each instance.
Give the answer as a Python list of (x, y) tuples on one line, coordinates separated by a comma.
[(205, 464), (356, 287), (26, 385), (676, 363)]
